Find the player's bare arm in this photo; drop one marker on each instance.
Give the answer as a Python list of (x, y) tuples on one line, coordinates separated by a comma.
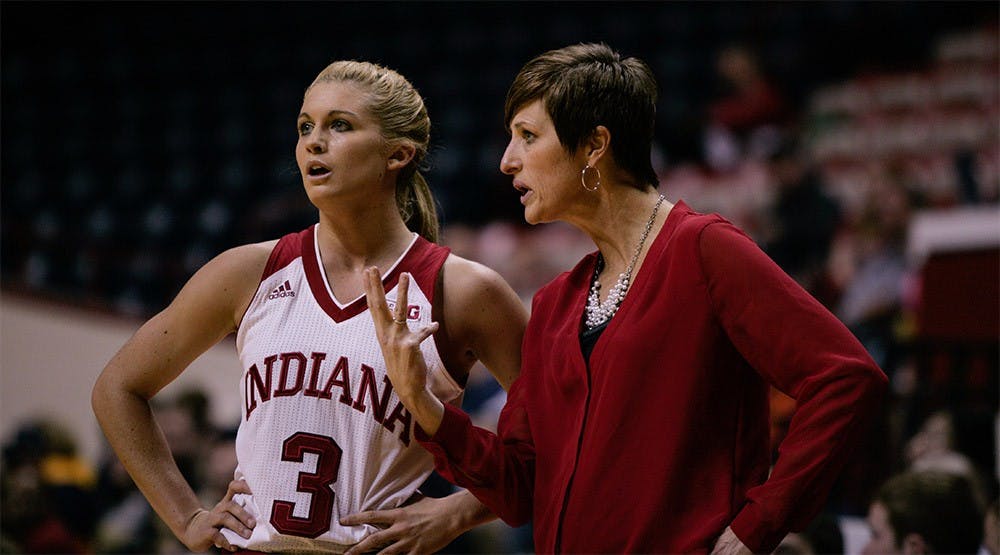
[(486, 316), (485, 321), (207, 309)]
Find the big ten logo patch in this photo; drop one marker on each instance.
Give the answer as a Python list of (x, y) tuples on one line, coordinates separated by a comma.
[(412, 311)]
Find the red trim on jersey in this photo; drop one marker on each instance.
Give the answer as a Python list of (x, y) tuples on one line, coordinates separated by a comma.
[(283, 253), (422, 261)]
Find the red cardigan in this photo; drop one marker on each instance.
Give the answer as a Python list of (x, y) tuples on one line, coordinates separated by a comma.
[(663, 441)]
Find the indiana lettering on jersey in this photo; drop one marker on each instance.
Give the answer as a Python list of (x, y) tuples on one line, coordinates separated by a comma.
[(296, 367)]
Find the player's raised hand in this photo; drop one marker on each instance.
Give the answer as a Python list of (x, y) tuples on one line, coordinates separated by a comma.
[(400, 346)]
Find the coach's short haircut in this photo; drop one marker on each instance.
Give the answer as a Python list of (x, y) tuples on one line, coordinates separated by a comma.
[(586, 85)]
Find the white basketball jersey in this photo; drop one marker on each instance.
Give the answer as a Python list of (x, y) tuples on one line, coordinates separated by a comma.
[(323, 434)]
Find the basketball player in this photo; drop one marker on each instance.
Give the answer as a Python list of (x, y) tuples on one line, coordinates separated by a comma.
[(323, 435)]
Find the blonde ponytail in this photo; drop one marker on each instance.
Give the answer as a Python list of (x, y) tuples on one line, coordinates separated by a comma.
[(417, 206)]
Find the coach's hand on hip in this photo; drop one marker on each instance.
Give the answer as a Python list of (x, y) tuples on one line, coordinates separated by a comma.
[(401, 349), (729, 544)]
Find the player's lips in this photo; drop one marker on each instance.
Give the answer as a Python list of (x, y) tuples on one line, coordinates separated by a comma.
[(317, 170), (524, 190)]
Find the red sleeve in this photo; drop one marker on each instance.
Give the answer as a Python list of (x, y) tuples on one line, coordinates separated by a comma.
[(498, 469), (797, 345)]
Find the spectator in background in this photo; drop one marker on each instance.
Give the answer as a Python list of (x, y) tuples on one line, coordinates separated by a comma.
[(217, 466), (933, 447), (126, 522), (991, 530), (184, 421), (925, 512), (804, 217), (747, 119), (869, 269), (47, 492), (822, 536)]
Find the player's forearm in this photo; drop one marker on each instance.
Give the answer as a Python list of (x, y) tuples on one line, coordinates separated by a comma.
[(426, 409), (128, 424)]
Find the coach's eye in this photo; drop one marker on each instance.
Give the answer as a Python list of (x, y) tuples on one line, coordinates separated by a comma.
[(340, 125), (305, 128)]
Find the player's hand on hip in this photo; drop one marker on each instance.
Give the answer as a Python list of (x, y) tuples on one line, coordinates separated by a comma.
[(426, 526), (400, 345), (204, 529)]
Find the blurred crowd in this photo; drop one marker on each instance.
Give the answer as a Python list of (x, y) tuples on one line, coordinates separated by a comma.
[(827, 188)]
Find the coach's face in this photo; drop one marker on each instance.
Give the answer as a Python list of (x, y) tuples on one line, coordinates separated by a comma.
[(546, 175)]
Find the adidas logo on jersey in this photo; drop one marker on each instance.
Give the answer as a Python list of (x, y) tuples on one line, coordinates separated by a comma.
[(283, 290)]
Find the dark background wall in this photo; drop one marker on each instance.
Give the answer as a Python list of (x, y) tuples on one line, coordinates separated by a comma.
[(140, 139)]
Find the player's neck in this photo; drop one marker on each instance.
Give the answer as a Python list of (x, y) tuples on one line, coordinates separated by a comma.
[(355, 240)]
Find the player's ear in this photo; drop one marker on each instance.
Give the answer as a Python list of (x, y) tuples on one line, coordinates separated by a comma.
[(400, 155)]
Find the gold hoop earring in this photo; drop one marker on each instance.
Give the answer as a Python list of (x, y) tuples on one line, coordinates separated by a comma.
[(583, 178)]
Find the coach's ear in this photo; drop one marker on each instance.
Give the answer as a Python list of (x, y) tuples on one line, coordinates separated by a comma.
[(914, 544)]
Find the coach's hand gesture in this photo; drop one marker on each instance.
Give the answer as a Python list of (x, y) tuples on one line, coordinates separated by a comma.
[(401, 349)]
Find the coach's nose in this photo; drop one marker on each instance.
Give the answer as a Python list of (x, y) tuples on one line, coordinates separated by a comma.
[(510, 162)]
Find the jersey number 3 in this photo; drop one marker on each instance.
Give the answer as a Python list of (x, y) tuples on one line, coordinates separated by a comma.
[(317, 483)]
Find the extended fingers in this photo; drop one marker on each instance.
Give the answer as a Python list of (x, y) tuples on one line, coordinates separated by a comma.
[(425, 332), (375, 297), (402, 297)]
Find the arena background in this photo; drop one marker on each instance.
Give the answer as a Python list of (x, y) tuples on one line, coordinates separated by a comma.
[(141, 139)]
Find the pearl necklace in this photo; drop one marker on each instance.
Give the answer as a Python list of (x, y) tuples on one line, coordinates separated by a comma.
[(598, 312)]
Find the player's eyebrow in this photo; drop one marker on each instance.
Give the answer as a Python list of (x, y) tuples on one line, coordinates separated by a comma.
[(330, 113)]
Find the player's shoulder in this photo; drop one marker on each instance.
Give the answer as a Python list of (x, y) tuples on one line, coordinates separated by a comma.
[(250, 254), (243, 264), (476, 289), (461, 274)]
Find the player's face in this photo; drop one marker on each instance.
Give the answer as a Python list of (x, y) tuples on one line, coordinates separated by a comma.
[(547, 176), (883, 539), (340, 150)]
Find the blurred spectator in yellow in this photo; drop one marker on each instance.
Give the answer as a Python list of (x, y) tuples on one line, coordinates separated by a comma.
[(47, 492)]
